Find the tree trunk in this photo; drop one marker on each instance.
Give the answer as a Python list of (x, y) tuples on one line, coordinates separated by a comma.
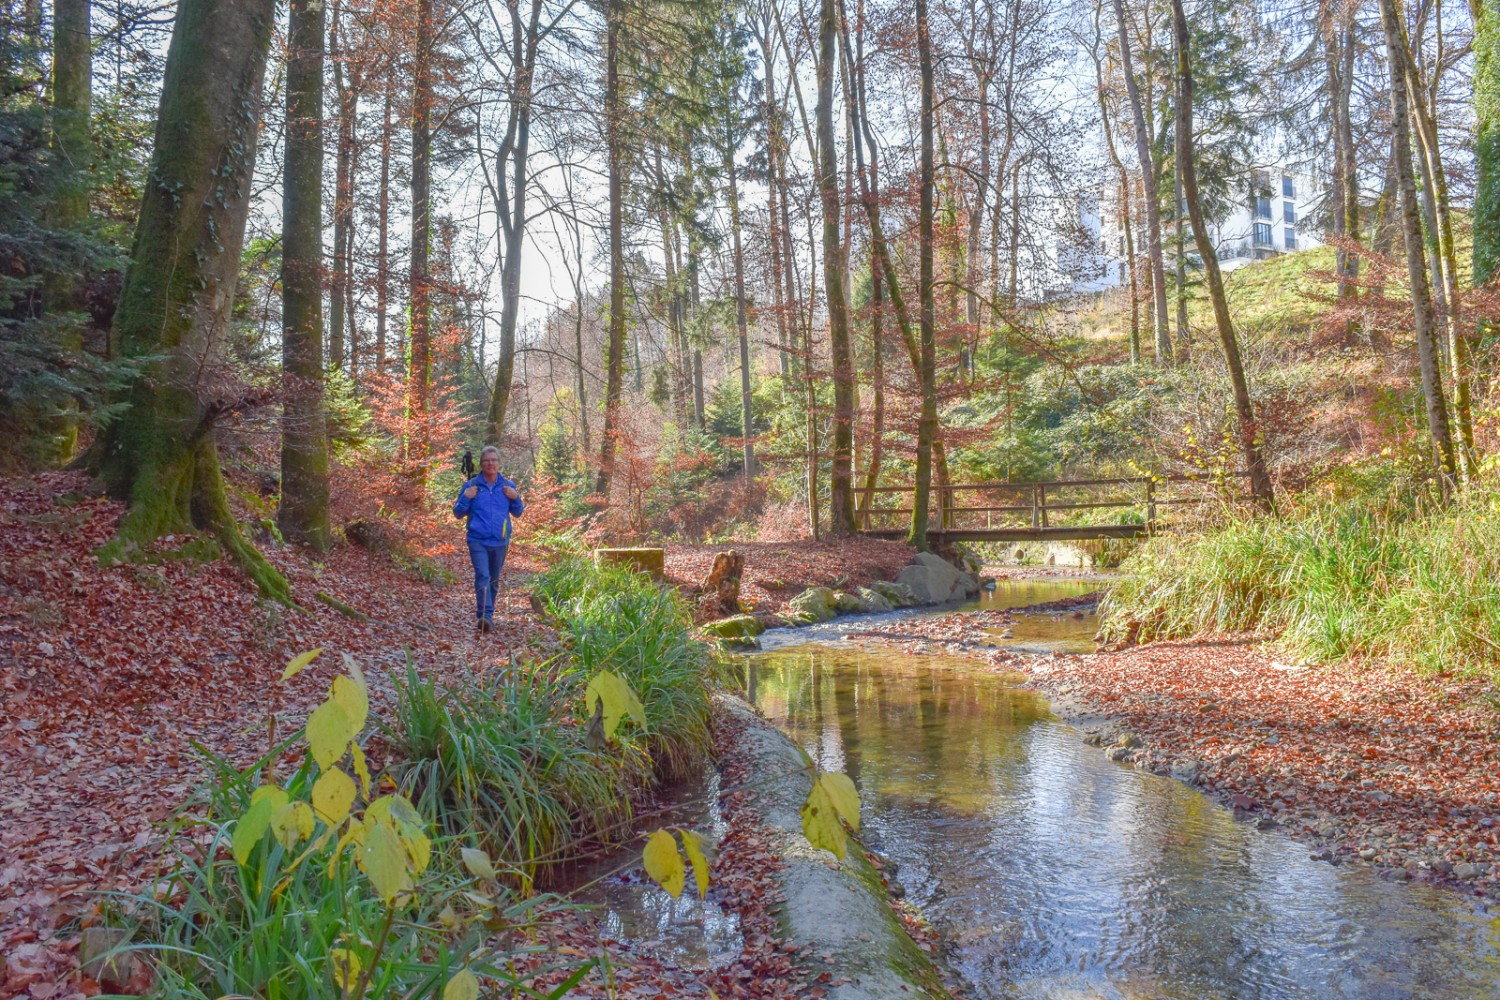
[(614, 380), (511, 211), (1250, 443), (383, 238), (419, 370), (1153, 202), (1416, 267), (343, 199), (741, 320), (927, 373), (303, 514), (72, 82), (1124, 214), (1487, 140), (177, 297), (841, 480)]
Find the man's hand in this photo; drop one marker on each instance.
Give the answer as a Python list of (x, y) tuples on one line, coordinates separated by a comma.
[(471, 492), (510, 493)]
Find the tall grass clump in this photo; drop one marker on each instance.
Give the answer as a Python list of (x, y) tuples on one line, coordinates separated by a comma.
[(510, 763), (1418, 587)]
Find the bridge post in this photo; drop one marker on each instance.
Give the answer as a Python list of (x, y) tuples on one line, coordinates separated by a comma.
[(1036, 507), (1150, 504)]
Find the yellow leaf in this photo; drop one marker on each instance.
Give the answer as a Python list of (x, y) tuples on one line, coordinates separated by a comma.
[(298, 662), (291, 823), (402, 817), (692, 846), (463, 986), (610, 690), (329, 731), (355, 700), (663, 863), (251, 828), (478, 863), (345, 967), (333, 796), (383, 860), (277, 795), (843, 795), (361, 768), (820, 822)]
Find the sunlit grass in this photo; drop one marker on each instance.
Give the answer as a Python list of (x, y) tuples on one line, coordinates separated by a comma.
[(1331, 582)]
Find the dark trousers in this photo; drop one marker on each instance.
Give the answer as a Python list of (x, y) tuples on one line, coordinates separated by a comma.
[(488, 560)]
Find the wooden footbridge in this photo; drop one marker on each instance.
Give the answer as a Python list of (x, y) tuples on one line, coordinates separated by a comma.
[(1048, 511)]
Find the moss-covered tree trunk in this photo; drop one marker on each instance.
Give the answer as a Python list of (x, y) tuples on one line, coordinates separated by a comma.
[(1487, 140), (303, 514), (175, 304)]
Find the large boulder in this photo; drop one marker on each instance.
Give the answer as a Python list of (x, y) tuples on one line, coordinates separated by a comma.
[(815, 604), (898, 594), (934, 580)]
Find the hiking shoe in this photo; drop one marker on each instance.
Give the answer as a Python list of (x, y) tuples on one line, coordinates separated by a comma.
[(486, 625)]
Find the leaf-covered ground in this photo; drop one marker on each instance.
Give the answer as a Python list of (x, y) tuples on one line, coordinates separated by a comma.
[(110, 676), (1369, 764)]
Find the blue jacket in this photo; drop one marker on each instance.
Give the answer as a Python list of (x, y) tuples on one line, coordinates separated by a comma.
[(490, 512)]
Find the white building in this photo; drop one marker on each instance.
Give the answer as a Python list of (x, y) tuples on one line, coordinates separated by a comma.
[(1268, 220)]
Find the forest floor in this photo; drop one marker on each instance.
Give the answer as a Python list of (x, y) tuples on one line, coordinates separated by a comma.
[(1368, 763), (112, 678)]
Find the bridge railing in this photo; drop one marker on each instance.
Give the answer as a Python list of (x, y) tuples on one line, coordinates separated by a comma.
[(1042, 505)]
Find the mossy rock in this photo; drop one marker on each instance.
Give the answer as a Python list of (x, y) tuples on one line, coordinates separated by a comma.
[(815, 604), (875, 601), (643, 560), (898, 594), (850, 604), (735, 627)]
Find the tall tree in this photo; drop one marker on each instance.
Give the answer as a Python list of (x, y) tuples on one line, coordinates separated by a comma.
[(175, 304), (1416, 266), (841, 513), (347, 76), (1250, 441), (72, 84), (927, 370), (614, 140), (1147, 162), (419, 365), (303, 514), (1487, 140)]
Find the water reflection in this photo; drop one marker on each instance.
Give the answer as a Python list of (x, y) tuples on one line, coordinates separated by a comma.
[(1055, 873)]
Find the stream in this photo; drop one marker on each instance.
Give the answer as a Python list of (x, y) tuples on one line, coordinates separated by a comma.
[(1051, 871)]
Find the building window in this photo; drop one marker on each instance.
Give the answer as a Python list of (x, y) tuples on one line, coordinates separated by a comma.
[(1288, 190), (1262, 237), (1291, 238), (1262, 207), (1288, 213)]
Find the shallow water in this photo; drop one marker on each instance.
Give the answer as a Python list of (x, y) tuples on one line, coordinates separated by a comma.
[(1053, 872)]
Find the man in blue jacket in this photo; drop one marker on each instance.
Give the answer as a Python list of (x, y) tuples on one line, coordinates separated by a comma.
[(489, 501)]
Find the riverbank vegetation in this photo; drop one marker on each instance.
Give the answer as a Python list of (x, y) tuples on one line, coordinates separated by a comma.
[(1404, 579)]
